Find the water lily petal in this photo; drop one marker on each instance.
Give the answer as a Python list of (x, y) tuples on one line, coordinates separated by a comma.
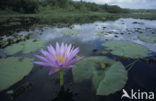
[(51, 72), (75, 60), (42, 58), (41, 63)]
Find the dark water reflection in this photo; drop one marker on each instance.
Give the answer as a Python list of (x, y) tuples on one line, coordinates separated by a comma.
[(46, 88)]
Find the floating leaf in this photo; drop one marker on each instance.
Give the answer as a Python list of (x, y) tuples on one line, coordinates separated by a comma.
[(32, 46), (98, 76), (105, 81), (149, 39), (115, 78), (82, 67), (70, 31), (24, 46), (126, 49), (13, 69), (14, 48)]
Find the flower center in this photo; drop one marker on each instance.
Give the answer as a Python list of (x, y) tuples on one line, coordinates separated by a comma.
[(60, 58)]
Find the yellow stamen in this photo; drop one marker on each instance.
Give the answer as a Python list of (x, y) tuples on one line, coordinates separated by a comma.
[(60, 58)]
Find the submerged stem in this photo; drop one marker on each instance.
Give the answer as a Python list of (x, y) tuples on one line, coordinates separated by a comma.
[(129, 66), (61, 78)]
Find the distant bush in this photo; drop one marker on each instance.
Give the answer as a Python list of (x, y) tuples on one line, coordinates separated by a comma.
[(112, 9), (23, 6)]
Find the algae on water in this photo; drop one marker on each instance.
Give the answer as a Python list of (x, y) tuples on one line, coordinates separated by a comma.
[(13, 69), (106, 81), (126, 49), (148, 39), (70, 31)]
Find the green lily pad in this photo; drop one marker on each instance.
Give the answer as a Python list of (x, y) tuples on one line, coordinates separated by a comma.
[(127, 49), (13, 69), (115, 78), (105, 81), (70, 31), (24, 46), (32, 46), (149, 39), (14, 48)]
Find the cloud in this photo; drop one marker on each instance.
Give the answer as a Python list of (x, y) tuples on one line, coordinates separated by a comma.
[(133, 4)]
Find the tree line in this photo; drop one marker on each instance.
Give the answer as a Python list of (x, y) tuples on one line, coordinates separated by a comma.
[(32, 6)]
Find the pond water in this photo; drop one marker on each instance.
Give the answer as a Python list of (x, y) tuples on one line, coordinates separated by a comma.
[(39, 86)]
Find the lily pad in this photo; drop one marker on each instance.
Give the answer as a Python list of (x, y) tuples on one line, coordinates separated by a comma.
[(24, 46), (13, 69), (127, 49), (14, 48), (115, 78), (105, 81), (32, 46), (149, 39), (70, 31)]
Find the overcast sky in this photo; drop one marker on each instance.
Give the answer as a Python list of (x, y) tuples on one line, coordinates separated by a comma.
[(134, 4)]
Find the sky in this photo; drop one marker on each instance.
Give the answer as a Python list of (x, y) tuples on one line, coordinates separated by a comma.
[(133, 4)]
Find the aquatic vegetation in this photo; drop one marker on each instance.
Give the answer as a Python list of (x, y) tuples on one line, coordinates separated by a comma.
[(70, 31), (32, 46), (24, 46), (149, 39), (63, 57), (100, 35), (108, 35), (14, 48), (103, 52), (104, 65), (106, 81), (15, 38), (126, 49), (13, 69)]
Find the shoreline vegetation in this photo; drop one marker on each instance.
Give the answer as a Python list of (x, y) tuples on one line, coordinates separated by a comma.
[(20, 15), (62, 9)]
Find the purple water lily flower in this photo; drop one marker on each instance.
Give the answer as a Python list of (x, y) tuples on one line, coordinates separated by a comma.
[(60, 58)]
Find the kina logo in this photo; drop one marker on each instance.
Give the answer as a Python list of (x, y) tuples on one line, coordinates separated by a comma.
[(137, 95)]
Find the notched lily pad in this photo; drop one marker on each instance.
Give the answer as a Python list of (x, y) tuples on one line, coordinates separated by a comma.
[(24, 46), (148, 39), (13, 69), (114, 79), (70, 31), (105, 81), (126, 49)]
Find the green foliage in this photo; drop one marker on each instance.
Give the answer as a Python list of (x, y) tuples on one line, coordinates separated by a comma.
[(149, 39), (23, 6), (24, 46), (112, 9), (114, 79), (70, 31), (126, 49), (106, 80), (33, 6), (13, 69)]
